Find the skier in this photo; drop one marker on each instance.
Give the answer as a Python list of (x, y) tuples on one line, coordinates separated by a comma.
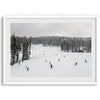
[(85, 61), (58, 60), (75, 63), (50, 65), (27, 68), (46, 60)]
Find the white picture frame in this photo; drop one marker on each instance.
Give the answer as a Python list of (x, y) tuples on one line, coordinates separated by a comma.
[(8, 80)]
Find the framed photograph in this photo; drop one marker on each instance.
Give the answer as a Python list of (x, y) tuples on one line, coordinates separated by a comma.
[(49, 50)]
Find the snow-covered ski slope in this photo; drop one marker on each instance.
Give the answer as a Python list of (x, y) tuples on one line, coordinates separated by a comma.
[(63, 63)]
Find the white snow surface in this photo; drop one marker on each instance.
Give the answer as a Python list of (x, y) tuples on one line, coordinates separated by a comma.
[(40, 58)]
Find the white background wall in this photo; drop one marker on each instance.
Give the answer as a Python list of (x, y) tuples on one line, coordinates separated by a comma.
[(54, 7)]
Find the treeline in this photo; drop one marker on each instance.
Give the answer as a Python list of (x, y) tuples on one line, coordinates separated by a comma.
[(76, 44), (20, 49), (69, 44), (50, 40)]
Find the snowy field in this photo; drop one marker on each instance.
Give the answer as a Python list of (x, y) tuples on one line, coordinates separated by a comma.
[(63, 63)]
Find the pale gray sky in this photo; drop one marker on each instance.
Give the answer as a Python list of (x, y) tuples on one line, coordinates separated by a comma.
[(52, 29)]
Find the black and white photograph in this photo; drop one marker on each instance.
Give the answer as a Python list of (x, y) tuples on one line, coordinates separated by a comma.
[(49, 49)]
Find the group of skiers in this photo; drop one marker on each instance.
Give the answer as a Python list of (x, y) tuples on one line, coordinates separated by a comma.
[(77, 62), (20, 49)]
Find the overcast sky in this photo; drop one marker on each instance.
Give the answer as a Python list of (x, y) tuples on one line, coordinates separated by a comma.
[(52, 29)]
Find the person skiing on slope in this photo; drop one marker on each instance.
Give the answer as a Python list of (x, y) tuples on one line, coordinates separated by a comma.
[(58, 60), (46, 60), (27, 68), (50, 65), (85, 61), (75, 63)]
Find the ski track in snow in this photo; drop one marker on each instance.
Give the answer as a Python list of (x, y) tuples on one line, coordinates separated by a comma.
[(63, 63)]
